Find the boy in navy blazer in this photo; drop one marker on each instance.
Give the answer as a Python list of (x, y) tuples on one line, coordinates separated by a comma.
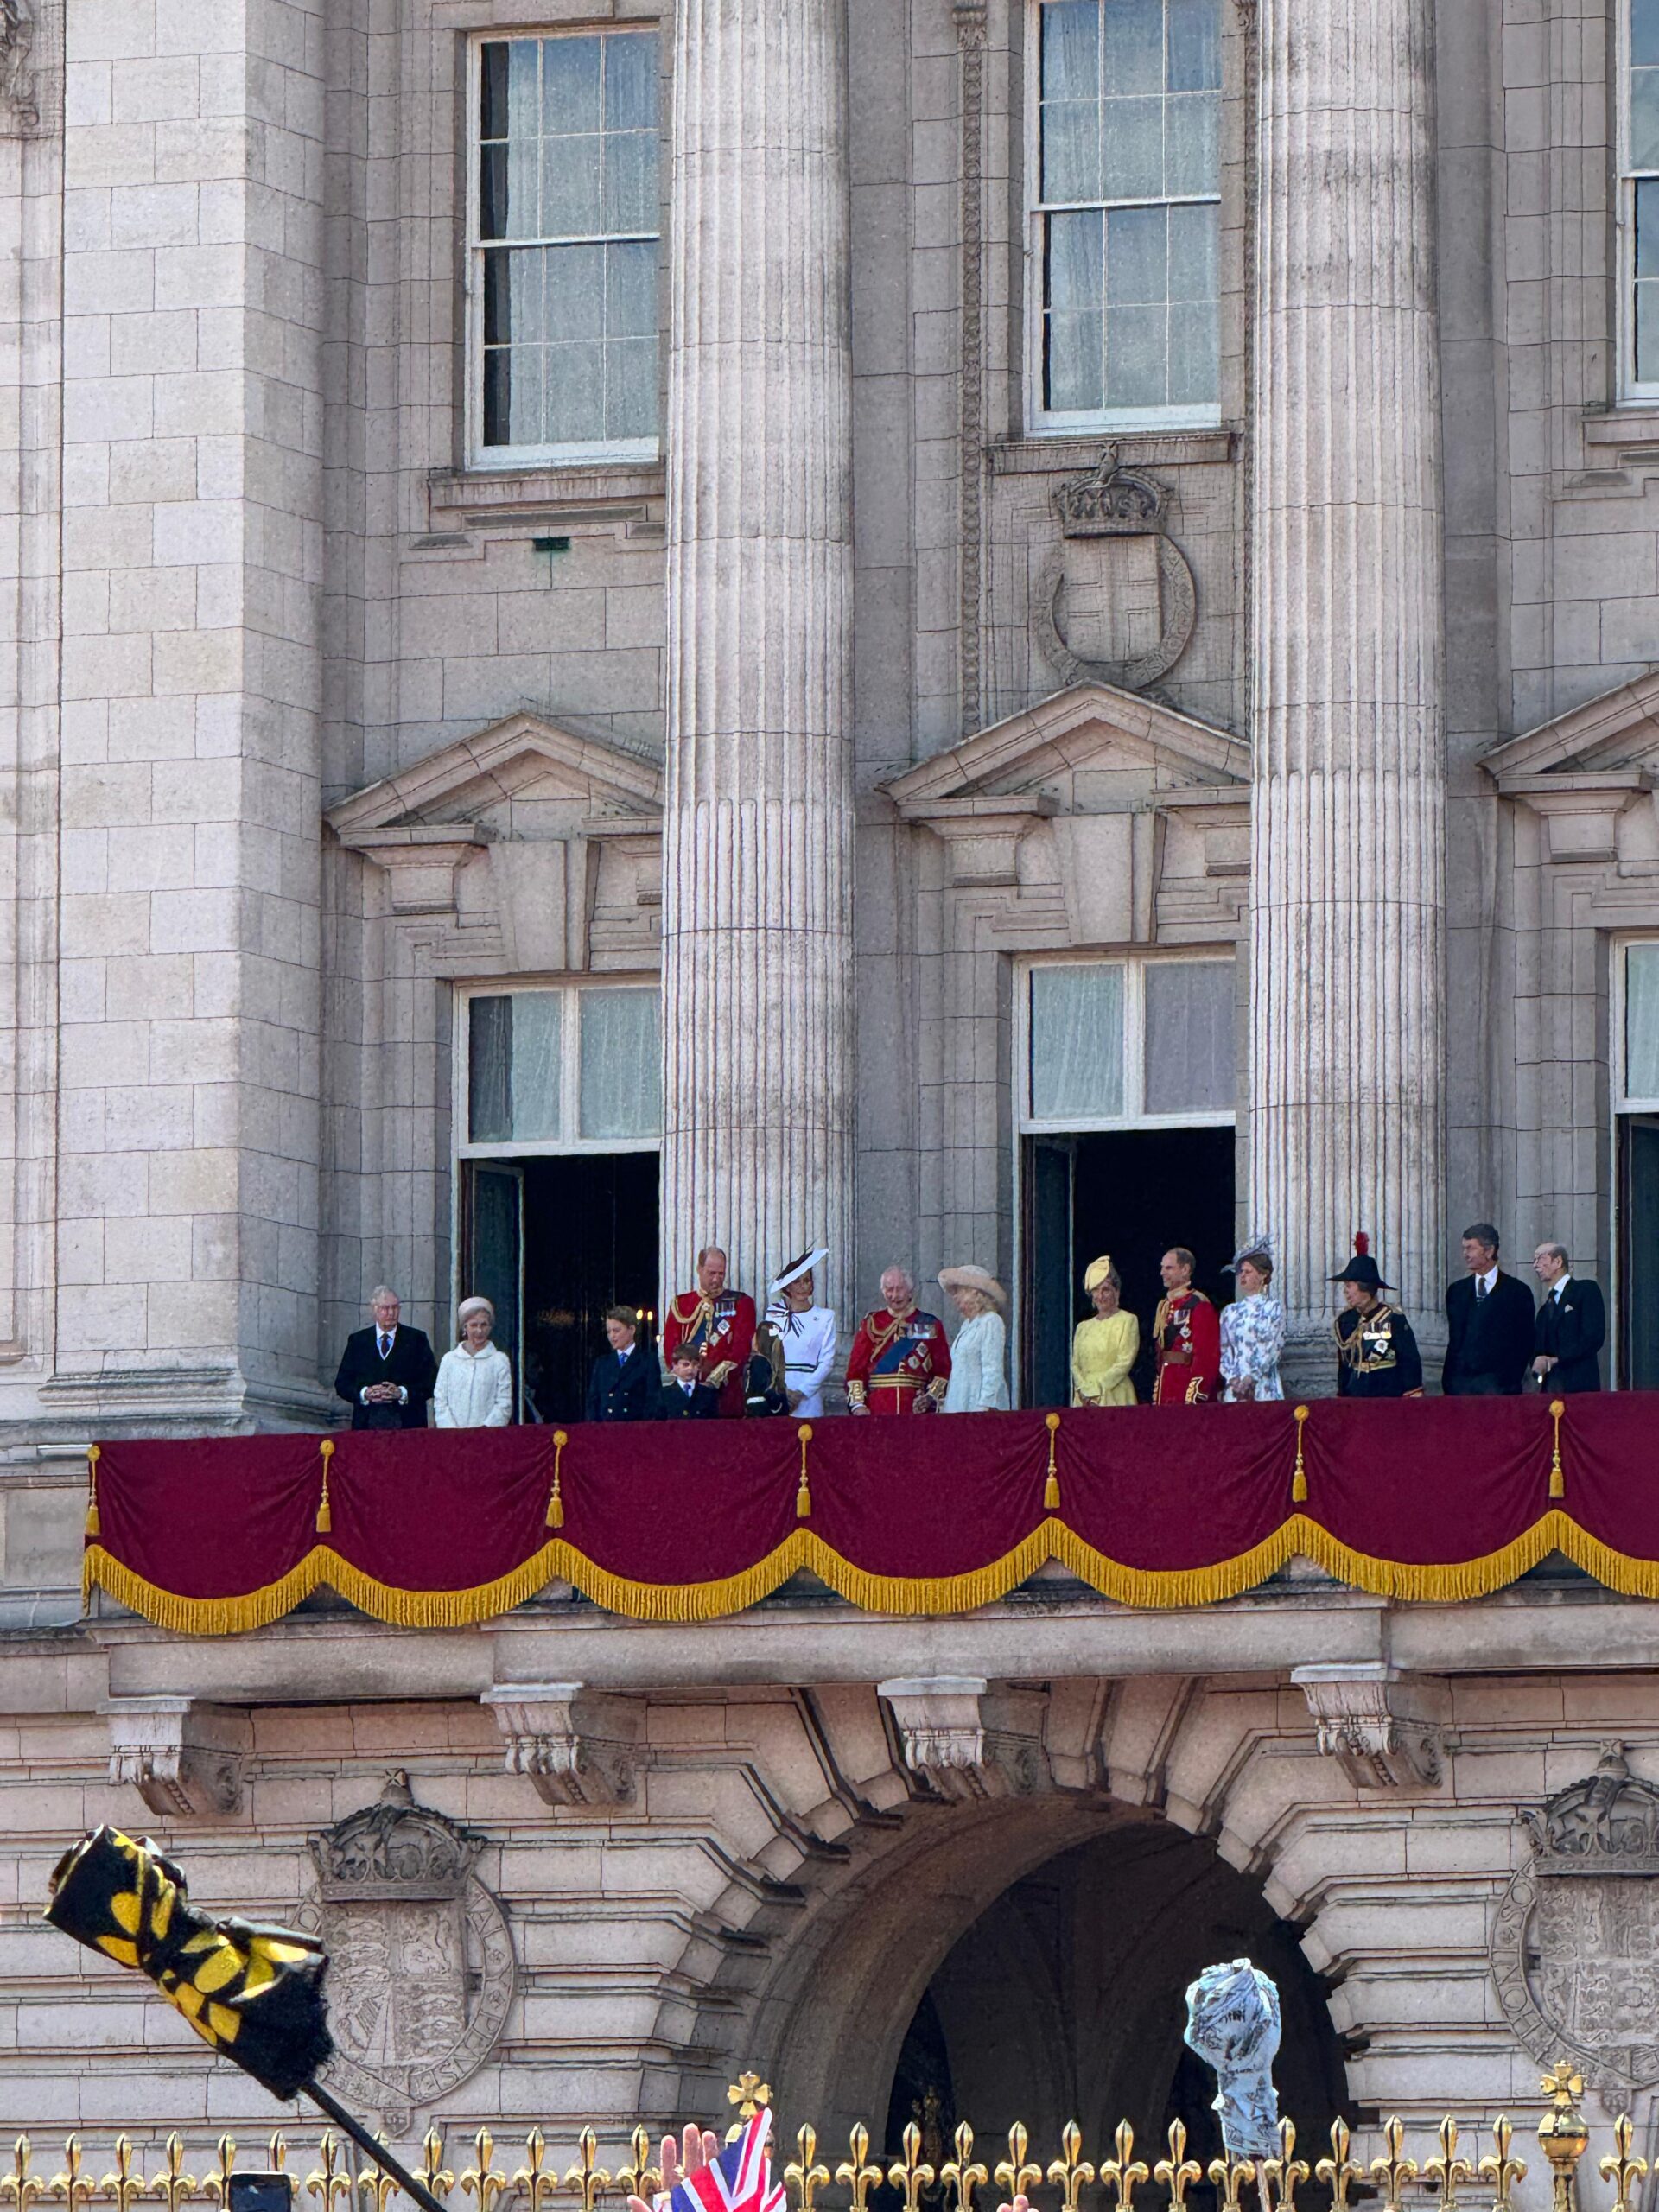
[(626, 1379), (682, 1397)]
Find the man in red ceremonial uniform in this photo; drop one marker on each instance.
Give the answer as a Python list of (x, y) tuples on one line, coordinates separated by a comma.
[(900, 1359), (1186, 1335), (720, 1324)]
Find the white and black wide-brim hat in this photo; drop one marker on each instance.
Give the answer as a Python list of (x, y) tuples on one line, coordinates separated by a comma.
[(798, 1267)]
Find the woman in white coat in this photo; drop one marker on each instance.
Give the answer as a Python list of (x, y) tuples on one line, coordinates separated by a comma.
[(979, 1354), (474, 1387)]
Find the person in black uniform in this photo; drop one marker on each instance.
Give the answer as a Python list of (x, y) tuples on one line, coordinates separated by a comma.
[(1488, 1323), (1376, 1353), (1571, 1325), (387, 1373), (682, 1397), (626, 1380)]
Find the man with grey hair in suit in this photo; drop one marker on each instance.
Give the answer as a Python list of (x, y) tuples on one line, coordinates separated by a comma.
[(1571, 1324), (387, 1373)]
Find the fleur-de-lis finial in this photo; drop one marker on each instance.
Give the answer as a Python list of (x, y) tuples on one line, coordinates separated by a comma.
[(1071, 2169), (803, 2172), (1498, 2167), (963, 2174), (19, 2187), (1014, 2174), (855, 2171), (1339, 2172), (173, 2185), (328, 2181), (1178, 2172), (72, 2185), (122, 2188), (1394, 2171), (1282, 2176), (438, 2178), (587, 2174), (376, 2186), (217, 2186), (1231, 2174), (1448, 2169), (909, 2173), (641, 2179), (1123, 2174), (1620, 2168)]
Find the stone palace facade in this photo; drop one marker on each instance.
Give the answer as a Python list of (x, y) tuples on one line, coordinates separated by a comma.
[(973, 630)]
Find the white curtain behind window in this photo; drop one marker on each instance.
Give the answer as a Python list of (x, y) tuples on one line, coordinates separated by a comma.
[(1077, 1042), (535, 1036), (1189, 1036), (1642, 1023), (621, 1065)]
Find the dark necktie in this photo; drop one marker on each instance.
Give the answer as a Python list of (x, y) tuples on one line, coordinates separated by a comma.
[(1480, 1288), (385, 1347)]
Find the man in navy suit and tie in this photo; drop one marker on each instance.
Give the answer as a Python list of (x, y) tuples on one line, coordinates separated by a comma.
[(387, 1373), (1488, 1323), (626, 1380), (1571, 1327)]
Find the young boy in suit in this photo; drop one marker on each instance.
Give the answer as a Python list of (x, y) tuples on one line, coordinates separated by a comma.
[(682, 1397)]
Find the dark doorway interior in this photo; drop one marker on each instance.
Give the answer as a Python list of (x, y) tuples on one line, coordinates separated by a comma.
[(552, 1242), (1132, 1193), (1639, 1251)]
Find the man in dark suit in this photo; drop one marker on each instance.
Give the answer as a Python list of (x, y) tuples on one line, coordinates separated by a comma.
[(626, 1379), (1571, 1327), (682, 1397), (387, 1373), (1489, 1320)]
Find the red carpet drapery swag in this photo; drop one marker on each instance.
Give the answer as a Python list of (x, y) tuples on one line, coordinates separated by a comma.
[(1154, 1506)]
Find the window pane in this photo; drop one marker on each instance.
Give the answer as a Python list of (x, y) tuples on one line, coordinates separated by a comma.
[(631, 83), (1136, 257), (569, 85), (1137, 356), (570, 186), (575, 296), (1194, 253), (1071, 50), (629, 200), (1645, 31), (1076, 276), (1132, 149), (1133, 46), (1192, 142), (1077, 1043), (1641, 1022), (534, 1083), (1075, 369), (1646, 228), (621, 1065), (1647, 331), (1194, 356), (575, 394), (1189, 1036), (1071, 150), (1194, 46), (631, 389), (1645, 118), (630, 289), (489, 1055), (492, 89)]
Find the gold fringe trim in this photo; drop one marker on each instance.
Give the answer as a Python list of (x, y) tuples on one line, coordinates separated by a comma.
[(1152, 1589), (1052, 1487)]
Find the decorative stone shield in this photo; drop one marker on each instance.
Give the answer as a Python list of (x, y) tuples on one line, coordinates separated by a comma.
[(1116, 602), (1575, 1941), (421, 1964)]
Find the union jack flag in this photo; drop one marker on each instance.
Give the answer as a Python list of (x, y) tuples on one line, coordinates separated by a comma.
[(739, 2180)]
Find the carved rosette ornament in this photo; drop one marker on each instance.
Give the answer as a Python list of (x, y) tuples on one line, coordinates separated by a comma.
[(1575, 1940), (1116, 575), (421, 1963)]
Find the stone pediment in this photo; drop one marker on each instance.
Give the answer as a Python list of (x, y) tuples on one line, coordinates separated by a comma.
[(1091, 749), (1590, 773), (525, 760)]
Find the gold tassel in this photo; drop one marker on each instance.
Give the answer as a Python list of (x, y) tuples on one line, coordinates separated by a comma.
[(325, 1517), (93, 1528), (804, 1492), (1052, 1487), (1557, 1484), (555, 1504), (1298, 1480)]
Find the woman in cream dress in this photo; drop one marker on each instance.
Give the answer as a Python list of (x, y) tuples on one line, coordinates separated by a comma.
[(1104, 1349), (979, 1354)]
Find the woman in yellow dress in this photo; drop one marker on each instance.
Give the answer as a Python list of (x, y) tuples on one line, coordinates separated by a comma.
[(1104, 1350)]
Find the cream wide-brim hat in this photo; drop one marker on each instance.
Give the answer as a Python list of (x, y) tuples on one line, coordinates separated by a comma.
[(972, 1278)]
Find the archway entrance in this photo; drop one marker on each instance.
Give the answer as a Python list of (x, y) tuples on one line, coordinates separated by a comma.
[(1064, 2000)]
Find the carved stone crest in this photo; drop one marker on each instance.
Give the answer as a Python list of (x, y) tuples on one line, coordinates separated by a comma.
[(1116, 601), (1575, 1942), (421, 1964)]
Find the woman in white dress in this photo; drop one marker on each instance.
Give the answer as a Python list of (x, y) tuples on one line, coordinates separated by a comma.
[(475, 1386), (979, 1354), (1252, 1328), (806, 1331)]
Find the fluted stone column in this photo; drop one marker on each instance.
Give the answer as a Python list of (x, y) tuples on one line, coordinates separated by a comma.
[(757, 896), (1347, 1110)]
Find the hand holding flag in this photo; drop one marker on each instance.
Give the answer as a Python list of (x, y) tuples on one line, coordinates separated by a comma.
[(704, 2178)]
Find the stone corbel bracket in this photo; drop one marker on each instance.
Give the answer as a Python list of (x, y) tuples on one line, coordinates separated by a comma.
[(184, 1759), (966, 1741), (1383, 1727), (578, 1746)]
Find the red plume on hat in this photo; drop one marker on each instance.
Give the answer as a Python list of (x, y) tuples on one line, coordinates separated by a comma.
[(1361, 1242), (1362, 1268)]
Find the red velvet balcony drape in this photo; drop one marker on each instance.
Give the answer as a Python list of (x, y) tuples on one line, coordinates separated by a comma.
[(1432, 1498)]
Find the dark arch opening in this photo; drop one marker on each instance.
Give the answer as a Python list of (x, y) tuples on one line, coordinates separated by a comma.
[(1066, 2001)]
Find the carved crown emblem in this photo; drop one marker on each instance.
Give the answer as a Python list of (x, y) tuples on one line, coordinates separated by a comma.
[(1110, 500), (1606, 1824), (395, 1849)]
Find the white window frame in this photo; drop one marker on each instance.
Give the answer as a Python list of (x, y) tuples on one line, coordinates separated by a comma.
[(570, 1140), (1135, 967), (1043, 422), (512, 458), (1630, 389), (1618, 995)]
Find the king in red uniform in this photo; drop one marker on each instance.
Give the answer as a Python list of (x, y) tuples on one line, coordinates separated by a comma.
[(719, 1324), (1187, 1333), (900, 1359)]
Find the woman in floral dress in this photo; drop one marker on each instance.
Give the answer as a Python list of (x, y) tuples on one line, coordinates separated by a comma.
[(1252, 1328)]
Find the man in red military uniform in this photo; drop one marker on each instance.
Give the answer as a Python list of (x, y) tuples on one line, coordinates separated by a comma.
[(1186, 1336), (720, 1324), (900, 1359)]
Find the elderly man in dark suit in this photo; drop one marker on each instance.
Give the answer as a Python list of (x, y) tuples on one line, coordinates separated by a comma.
[(1489, 1320), (387, 1373), (626, 1379), (1571, 1327)]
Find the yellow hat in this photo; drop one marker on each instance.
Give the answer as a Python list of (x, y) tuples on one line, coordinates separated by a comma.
[(1096, 1273)]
